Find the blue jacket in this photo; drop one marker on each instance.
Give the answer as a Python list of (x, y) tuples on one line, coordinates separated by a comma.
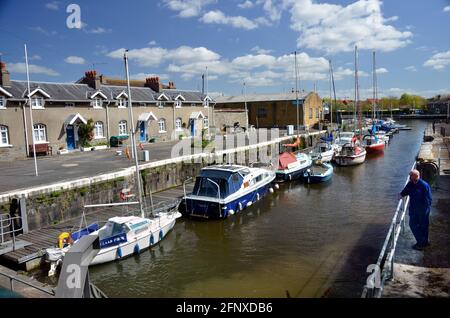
[(420, 197)]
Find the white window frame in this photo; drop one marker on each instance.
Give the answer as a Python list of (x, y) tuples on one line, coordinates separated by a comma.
[(206, 103), (178, 124), (178, 103), (122, 103), (3, 102), (37, 105), (97, 103), (4, 133), (161, 103), (98, 130), (41, 131), (206, 122), (122, 131), (162, 125)]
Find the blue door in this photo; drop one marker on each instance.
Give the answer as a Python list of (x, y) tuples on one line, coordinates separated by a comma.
[(142, 131), (192, 127), (70, 137)]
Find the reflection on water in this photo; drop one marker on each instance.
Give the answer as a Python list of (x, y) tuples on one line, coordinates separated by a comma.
[(305, 240)]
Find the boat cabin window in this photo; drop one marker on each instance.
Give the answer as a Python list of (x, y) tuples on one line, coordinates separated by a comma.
[(141, 230), (204, 187), (244, 172)]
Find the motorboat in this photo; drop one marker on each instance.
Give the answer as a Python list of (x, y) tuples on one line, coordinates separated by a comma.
[(372, 143), (223, 190), (350, 154), (323, 151), (291, 166), (321, 172)]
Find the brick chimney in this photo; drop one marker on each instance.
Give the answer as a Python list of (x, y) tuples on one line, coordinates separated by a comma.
[(91, 78), (153, 83), (5, 79), (172, 85)]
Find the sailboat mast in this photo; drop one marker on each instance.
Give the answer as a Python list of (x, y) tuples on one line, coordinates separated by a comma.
[(373, 85), (334, 93), (331, 105), (357, 105), (296, 94), (133, 136), (355, 100)]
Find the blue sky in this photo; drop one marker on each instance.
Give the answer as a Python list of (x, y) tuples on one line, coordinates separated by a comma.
[(239, 41)]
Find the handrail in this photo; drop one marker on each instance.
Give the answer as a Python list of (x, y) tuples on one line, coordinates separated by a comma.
[(384, 268), (12, 279)]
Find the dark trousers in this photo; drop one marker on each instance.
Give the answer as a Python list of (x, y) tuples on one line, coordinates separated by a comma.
[(419, 227)]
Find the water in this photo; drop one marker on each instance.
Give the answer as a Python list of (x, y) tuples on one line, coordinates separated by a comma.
[(305, 241)]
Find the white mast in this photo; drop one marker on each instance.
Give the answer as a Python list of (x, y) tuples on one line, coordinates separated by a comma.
[(31, 113), (296, 93), (133, 140)]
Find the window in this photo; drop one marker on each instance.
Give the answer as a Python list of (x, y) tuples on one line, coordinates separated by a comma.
[(123, 128), (98, 103), (161, 104), (262, 112), (178, 103), (317, 112), (122, 102), (162, 125), (37, 102), (98, 130), (206, 122), (4, 141), (310, 113), (70, 104), (2, 102), (178, 124), (206, 103), (142, 104), (39, 133)]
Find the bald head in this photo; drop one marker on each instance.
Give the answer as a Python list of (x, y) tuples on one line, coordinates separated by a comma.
[(414, 176)]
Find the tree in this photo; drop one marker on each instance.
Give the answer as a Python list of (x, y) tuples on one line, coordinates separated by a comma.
[(86, 133)]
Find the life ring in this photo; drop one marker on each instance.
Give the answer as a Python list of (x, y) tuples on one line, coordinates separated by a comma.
[(64, 240)]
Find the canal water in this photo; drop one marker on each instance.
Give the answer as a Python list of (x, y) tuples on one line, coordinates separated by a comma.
[(301, 241)]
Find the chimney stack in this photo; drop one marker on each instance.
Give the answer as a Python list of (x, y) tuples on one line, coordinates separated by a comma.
[(5, 79), (91, 78), (153, 83)]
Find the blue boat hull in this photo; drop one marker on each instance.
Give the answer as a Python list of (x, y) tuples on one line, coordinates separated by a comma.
[(295, 175), (316, 179), (197, 208)]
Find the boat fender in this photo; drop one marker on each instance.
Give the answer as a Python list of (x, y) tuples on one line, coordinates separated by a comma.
[(276, 186), (161, 235), (152, 240), (136, 249), (249, 203), (231, 212), (257, 197), (271, 190), (119, 252), (240, 207), (290, 177)]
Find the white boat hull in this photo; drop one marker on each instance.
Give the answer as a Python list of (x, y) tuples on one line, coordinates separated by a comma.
[(350, 160), (137, 244)]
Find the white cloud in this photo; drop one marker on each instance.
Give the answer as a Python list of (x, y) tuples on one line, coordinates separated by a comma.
[(74, 60), (35, 58), (155, 56), (33, 69), (43, 31), (259, 50), (381, 70), (54, 5), (219, 17), (273, 8), (411, 68), (97, 30), (335, 28), (447, 9), (188, 8), (143, 76), (438, 61), (152, 43), (246, 5)]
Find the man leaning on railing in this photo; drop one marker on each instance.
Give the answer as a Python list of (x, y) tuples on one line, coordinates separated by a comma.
[(419, 193)]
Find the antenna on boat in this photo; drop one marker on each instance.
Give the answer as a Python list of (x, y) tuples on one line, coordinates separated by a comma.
[(132, 132)]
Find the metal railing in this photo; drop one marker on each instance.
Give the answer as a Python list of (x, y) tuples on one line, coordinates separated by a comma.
[(12, 279), (383, 270), (8, 228)]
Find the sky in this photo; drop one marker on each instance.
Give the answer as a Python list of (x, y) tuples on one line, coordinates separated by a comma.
[(236, 42)]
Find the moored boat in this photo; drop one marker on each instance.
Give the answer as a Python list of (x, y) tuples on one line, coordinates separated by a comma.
[(291, 166), (223, 190), (372, 143), (318, 173), (323, 151), (350, 155)]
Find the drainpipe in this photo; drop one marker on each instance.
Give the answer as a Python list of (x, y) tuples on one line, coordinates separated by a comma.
[(25, 128), (107, 121)]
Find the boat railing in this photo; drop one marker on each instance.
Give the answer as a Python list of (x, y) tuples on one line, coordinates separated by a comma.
[(383, 270)]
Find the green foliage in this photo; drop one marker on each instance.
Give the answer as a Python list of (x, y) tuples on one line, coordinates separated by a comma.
[(83, 191), (55, 194), (86, 133)]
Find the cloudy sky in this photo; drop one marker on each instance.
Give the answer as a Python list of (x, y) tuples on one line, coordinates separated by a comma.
[(237, 41)]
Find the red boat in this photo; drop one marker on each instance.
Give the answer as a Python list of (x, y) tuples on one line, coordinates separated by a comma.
[(373, 144)]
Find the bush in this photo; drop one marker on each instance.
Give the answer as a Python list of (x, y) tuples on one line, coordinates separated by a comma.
[(86, 133)]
